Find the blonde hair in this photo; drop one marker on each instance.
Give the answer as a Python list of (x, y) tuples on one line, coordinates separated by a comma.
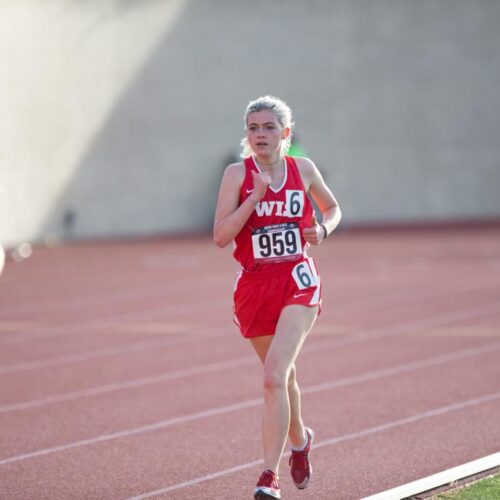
[(282, 112)]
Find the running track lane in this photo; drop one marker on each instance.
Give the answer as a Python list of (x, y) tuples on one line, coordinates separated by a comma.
[(383, 386)]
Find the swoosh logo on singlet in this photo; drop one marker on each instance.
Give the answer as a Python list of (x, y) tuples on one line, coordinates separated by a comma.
[(249, 191)]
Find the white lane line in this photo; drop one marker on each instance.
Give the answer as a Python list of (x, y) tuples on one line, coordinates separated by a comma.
[(365, 377), (115, 295), (329, 442), (61, 330), (404, 368), (138, 430), (400, 297), (137, 290), (130, 384), (405, 327), (112, 297), (440, 479), (374, 333), (99, 353), (236, 363), (367, 303)]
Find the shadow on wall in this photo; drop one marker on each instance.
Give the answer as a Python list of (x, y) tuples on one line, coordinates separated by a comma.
[(141, 173), (155, 164), (395, 103)]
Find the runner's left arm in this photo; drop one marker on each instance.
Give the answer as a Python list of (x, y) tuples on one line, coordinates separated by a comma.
[(324, 199)]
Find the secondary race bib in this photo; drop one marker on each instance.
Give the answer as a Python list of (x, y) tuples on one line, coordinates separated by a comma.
[(277, 243)]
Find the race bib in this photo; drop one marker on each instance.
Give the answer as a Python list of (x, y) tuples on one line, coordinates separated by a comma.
[(277, 243), (305, 275)]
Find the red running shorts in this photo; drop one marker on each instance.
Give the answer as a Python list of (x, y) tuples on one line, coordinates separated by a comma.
[(260, 297)]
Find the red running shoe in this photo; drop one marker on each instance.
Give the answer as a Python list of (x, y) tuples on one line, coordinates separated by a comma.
[(301, 469), (267, 486)]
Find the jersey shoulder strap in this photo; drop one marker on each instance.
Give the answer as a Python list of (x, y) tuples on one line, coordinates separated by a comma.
[(294, 174)]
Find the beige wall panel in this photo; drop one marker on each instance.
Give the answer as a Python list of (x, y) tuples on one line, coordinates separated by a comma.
[(119, 116)]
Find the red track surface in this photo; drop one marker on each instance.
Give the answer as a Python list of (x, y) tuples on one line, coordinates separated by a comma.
[(121, 373)]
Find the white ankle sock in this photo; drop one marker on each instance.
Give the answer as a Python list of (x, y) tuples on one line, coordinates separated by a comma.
[(301, 448)]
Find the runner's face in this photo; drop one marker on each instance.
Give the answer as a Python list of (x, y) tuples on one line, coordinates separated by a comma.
[(265, 133)]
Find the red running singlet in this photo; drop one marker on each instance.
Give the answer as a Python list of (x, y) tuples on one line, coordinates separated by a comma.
[(273, 233)]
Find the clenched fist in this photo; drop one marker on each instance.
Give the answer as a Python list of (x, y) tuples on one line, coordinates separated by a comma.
[(261, 181), (314, 234)]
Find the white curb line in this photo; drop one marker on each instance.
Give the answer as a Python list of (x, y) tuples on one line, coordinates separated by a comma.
[(439, 479)]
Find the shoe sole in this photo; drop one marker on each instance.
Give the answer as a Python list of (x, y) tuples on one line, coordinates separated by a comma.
[(260, 495)]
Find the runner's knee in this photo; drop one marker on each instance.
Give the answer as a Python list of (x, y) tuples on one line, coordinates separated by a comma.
[(275, 378)]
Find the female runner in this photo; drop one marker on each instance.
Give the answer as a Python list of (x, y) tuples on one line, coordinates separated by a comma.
[(264, 208)]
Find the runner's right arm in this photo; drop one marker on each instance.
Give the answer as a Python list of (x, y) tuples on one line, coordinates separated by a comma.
[(229, 217)]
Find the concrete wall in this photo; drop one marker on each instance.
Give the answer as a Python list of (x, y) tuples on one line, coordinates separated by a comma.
[(118, 116)]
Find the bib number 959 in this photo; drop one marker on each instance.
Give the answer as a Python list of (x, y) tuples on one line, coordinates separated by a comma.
[(277, 243)]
